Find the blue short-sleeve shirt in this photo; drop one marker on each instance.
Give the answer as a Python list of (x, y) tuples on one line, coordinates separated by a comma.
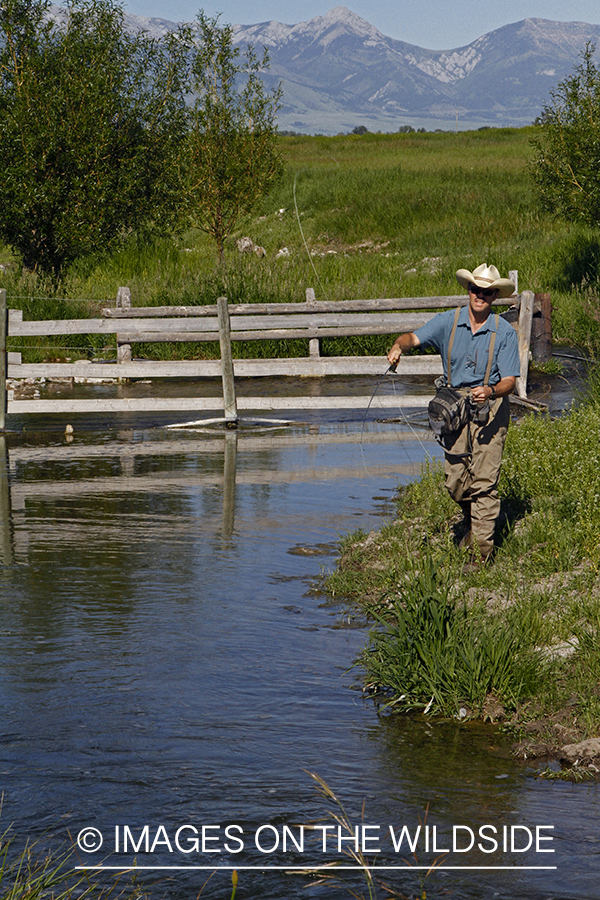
[(470, 351)]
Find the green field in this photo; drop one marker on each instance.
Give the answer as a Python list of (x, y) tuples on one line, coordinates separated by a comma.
[(387, 215), (361, 216)]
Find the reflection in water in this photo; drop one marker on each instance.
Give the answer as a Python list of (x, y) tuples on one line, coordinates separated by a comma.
[(229, 472), (6, 551), (167, 661)]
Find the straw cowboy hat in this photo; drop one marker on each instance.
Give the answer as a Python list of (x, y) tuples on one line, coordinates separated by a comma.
[(485, 276)]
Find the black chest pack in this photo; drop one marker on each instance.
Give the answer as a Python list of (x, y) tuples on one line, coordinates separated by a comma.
[(449, 411)]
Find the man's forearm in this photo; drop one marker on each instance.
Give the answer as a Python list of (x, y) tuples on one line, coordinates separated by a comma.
[(402, 343)]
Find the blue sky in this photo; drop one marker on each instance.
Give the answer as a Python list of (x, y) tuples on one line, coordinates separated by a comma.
[(435, 24)]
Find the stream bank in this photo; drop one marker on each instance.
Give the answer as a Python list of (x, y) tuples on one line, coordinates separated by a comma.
[(518, 641)]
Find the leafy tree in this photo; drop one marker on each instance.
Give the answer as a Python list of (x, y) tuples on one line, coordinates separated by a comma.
[(91, 119), (566, 166), (231, 156)]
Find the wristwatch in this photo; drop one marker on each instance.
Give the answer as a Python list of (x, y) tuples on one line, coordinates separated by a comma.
[(493, 394)]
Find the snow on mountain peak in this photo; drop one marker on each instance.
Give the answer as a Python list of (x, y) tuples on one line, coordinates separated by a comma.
[(323, 29)]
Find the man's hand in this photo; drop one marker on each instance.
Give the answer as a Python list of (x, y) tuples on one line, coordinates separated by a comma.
[(394, 356), (505, 386), (481, 393), (405, 342)]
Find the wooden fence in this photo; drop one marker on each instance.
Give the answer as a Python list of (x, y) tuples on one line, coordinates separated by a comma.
[(312, 320)]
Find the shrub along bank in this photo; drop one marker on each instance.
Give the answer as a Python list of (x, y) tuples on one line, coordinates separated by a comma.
[(517, 641)]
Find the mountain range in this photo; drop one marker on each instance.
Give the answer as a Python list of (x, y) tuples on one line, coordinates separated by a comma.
[(339, 72)]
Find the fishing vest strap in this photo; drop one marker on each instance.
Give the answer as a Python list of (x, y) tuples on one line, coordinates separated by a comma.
[(486, 380), (451, 344)]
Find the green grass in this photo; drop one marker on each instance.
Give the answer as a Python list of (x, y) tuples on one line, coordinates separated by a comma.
[(434, 653), (382, 216), (35, 874), (524, 631), (554, 466)]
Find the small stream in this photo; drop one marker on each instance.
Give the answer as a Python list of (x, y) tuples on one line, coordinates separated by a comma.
[(169, 662)]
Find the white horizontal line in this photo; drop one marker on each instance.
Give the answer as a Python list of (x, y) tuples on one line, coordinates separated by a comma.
[(320, 868)]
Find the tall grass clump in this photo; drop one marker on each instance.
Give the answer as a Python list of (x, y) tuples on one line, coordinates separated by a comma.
[(433, 653), (34, 874)]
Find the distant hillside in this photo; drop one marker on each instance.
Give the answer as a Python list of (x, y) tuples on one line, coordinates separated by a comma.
[(338, 71), (340, 65)]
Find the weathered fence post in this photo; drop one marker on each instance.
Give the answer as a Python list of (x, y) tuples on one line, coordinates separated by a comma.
[(229, 401), (123, 302), (541, 328), (3, 329), (524, 333), (314, 348), (123, 298)]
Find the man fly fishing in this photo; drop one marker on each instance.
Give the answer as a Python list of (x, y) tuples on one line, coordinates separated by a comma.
[(480, 355)]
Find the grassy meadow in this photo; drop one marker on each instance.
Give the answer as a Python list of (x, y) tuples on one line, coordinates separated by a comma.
[(374, 215)]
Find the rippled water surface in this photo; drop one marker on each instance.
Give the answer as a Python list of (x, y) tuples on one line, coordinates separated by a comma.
[(168, 661)]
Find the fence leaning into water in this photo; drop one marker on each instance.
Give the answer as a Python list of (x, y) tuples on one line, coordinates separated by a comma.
[(311, 320)]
